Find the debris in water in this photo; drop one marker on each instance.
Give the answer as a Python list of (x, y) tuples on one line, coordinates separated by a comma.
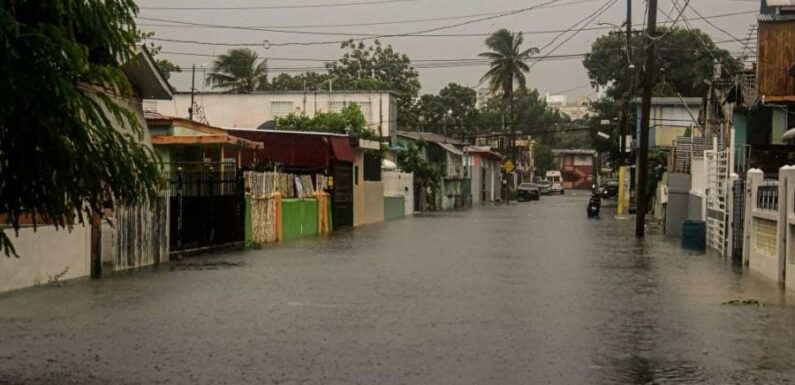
[(744, 302)]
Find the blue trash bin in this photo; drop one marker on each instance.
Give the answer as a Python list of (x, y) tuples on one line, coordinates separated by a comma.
[(694, 235)]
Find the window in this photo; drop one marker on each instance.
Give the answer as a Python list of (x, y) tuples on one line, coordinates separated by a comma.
[(280, 109), (364, 106), (372, 166)]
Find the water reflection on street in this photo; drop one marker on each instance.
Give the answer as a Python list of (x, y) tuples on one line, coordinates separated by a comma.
[(531, 293)]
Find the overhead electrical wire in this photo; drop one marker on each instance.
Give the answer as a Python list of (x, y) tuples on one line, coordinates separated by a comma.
[(255, 7), (269, 44), (190, 24)]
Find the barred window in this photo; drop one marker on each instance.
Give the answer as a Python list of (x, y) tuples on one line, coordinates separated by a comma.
[(280, 109)]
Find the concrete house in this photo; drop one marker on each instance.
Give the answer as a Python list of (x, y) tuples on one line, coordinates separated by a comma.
[(260, 109), (447, 155), (483, 165), (670, 118)]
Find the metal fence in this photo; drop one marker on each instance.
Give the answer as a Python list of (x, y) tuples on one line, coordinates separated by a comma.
[(767, 196), (207, 206), (738, 217)]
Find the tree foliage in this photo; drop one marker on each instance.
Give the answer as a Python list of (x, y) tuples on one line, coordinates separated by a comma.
[(310, 81), (239, 71), (684, 62), (507, 61), (60, 151), (349, 120), (425, 174), (377, 67), (452, 112)]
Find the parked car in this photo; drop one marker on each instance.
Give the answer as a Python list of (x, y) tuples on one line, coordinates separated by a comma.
[(528, 192), (544, 187), (555, 179), (609, 190)]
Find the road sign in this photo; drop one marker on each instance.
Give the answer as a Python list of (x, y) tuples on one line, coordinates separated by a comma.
[(508, 166)]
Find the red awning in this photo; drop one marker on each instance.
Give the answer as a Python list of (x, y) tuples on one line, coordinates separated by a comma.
[(341, 149), (292, 149)]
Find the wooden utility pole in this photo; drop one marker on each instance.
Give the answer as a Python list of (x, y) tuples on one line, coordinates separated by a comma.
[(192, 91), (641, 199), (627, 93)]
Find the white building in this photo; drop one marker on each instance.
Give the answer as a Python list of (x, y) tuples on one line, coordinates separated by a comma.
[(670, 118), (254, 110)]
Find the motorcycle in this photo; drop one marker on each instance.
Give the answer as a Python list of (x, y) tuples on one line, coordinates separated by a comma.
[(594, 204)]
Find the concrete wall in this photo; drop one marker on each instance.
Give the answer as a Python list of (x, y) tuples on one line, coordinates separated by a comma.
[(394, 208), (766, 231), (45, 254), (398, 184), (299, 218), (678, 206), (368, 196), (251, 110), (485, 175)]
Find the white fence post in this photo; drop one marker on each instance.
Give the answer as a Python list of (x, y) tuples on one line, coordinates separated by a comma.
[(753, 180), (786, 208)]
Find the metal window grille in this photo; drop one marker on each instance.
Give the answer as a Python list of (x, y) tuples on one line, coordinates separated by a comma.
[(767, 197), (280, 109)]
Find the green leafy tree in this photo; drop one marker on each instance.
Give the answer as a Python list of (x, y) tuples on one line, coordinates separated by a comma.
[(507, 65), (239, 71), (377, 67), (349, 120), (61, 154), (451, 112), (685, 61), (425, 174), (311, 81)]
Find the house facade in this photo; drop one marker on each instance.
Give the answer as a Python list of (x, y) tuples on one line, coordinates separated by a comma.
[(577, 167), (261, 109), (670, 118), (447, 155), (483, 165)]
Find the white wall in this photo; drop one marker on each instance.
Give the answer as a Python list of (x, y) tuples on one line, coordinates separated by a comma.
[(251, 110), (44, 254), (399, 184)]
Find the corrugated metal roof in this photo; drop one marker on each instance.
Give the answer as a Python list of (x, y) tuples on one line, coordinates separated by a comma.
[(769, 17), (429, 137), (781, 3), (450, 148)]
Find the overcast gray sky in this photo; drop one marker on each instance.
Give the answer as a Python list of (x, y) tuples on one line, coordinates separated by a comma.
[(567, 76)]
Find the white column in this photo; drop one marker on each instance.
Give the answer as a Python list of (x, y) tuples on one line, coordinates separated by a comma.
[(753, 180)]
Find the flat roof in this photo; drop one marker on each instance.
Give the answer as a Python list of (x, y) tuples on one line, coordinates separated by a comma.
[(292, 92), (320, 133)]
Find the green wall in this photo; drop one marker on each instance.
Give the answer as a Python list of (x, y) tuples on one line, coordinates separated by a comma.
[(299, 218), (394, 207)]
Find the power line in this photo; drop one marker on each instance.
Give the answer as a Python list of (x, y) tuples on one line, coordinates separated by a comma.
[(269, 44), (319, 5), (587, 20), (188, 24)]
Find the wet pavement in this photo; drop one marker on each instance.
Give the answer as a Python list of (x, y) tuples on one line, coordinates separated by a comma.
[(533, 293)]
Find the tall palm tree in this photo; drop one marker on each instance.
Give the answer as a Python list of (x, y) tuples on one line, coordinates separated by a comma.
[(238, 72), (507, 65)]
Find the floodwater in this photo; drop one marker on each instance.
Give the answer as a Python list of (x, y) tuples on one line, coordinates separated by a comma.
[(533, 293)]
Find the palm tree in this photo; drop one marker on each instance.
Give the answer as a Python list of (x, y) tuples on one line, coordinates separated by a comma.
[(238, 72), (507, 64)]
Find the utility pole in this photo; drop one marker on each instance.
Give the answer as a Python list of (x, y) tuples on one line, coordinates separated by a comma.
[(192, 91), (628, 92), (643, 153)]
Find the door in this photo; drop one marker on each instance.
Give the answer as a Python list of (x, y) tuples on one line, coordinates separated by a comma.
[(342, 194)]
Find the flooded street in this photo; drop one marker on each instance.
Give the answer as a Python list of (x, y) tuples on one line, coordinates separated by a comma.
[(533, 293)]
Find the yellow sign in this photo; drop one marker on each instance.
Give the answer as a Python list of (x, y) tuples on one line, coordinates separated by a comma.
[(508, 166)]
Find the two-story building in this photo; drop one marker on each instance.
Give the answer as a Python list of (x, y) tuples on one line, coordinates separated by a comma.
[(670, 118)]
